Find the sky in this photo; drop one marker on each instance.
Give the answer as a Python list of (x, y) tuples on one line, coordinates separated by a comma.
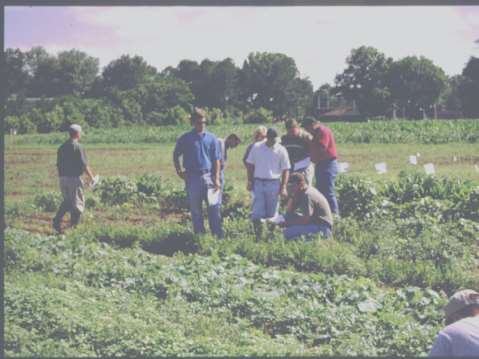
[(319, 39)]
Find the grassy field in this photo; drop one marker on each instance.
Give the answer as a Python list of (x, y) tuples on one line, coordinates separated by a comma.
[(133, 280)]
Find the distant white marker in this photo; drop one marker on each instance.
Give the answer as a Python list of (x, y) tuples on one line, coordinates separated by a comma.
[(429, 168), (381, 167), (413, 160)]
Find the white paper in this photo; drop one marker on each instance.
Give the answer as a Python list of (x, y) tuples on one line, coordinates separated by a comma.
[(381, 167), (454, 159), (277, 219), (413, 160), (429, 168), (343, 167), (95, 181), (213, 196)]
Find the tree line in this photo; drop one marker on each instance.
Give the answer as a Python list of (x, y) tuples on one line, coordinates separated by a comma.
[(47, 92)]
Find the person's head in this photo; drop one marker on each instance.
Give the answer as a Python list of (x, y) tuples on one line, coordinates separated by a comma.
[(260, 133), (309, 123), (198, 119), (271, 136), (462, 304), (74, 131), (296, 183), (292, 126), (232, 140)]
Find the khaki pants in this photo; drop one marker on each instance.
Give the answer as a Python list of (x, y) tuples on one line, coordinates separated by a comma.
[(72, 191)]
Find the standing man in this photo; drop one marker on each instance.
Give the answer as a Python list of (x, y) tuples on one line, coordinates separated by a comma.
[(308, 210), (201, 154), (298, 142), (231, 141), (323, 155), (71, 163), (268, 171), (461, 336)]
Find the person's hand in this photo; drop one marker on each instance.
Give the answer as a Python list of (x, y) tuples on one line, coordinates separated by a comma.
[(283, 192), (217, 185), (181, 174), (249, 186)]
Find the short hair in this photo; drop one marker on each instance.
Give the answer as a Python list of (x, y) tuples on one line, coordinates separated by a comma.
[(291, 123), (72, 132), (296, 178), (308, 121), (234, 136), (198, 113), (261, 130)]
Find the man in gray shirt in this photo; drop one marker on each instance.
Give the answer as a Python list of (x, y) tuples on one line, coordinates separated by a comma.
[(461, 336), (308, 210), (71, 164)]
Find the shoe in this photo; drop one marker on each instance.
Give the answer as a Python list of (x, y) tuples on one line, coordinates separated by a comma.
[(57, 226)]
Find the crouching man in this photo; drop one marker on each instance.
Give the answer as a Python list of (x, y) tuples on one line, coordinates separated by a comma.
[(71, 164), (308, 210), (460, 338)]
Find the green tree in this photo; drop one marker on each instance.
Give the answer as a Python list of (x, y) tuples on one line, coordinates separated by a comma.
[(266, 80), (365, 80), (77, 72), (416, 84), (16, 74), (469, 88), (127, 73)]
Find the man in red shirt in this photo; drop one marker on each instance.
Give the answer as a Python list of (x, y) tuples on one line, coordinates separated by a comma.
[(323, 155)]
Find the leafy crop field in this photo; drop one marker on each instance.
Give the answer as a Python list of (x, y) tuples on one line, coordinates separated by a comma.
[(132, 279)]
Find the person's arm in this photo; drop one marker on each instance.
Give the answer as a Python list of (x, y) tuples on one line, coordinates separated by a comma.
[(217, 175), (284, 182), (84, 164), (246, 154), (323, 138), (178, 151), (250, 168), (250, 176)]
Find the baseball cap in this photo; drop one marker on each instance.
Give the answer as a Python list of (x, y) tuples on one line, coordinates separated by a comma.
[(460, 300), (75, 127), (271, 133)]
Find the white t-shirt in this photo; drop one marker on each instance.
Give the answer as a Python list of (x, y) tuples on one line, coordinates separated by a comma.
[(269, 162), (459, 339)]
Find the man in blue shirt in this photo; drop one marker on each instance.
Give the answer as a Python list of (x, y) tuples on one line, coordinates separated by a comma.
[(201, 154)]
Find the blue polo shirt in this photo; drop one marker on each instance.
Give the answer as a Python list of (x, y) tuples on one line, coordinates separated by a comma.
[(199, 151)]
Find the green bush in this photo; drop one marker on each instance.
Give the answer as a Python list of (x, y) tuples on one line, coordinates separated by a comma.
[(150, 184), (116, 190), (48, 201), (260, 116)]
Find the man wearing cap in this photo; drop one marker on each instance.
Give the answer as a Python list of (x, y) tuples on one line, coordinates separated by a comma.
[(461, 336), (297, 142), (268, 170), (201, 154), (323, 154), (308, 210), (71, 164), (231, 141)]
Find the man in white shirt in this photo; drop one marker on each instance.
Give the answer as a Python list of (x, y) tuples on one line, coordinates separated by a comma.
[(461, 336), (268, 171)]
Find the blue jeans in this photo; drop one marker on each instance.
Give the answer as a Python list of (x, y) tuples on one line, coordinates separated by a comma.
[(197, 189), (266, 198), (298, 230), (326, 172)]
